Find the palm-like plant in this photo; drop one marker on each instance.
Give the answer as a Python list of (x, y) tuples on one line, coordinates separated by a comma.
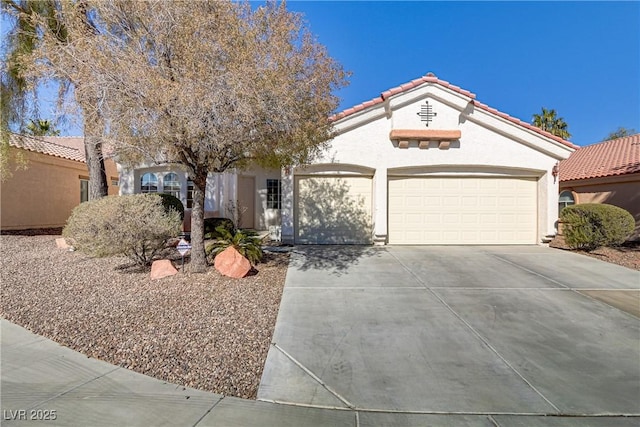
[(41, 128), (549, 122), (245, 242)]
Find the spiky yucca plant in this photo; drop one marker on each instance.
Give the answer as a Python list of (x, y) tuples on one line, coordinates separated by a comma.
[(245, 242)]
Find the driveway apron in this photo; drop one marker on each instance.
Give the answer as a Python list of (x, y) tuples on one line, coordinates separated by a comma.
[(513, 331)]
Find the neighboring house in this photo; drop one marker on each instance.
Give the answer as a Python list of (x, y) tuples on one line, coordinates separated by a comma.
[(53, 181), (606, 172), (424, 163)]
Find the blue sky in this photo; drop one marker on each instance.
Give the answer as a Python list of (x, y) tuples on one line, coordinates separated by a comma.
[(580, 58)]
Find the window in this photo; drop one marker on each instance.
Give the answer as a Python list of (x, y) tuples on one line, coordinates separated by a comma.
[(171, 184), (149, 183), (273, 194), (84, 190), (189, 194), (566, 198)]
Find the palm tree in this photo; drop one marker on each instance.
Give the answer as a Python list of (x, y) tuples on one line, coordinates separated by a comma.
[(18, 93), (549, 122), (23, 39), (41, 128)]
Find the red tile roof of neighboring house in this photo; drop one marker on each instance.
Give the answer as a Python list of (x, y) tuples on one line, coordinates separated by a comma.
[(610, 158), (66, 147), (431, 78)]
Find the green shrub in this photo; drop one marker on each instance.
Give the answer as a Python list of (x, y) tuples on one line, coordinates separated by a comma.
[(170, 201), (245, 242), (591, 225), (211, 225), (136, 226)]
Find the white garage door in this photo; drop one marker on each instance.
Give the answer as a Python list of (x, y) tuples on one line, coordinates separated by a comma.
[(441, 211), (333, 210)]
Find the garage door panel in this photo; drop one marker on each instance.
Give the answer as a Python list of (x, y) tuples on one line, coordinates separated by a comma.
[(333, 210), (462, 210)]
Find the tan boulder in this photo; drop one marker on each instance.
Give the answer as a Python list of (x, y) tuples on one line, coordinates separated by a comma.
[(162, 268), (62, 244), (231, 263)]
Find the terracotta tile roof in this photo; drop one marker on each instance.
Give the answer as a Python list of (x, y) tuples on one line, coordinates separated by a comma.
[(610, 158), (66, 147), (431, 78)]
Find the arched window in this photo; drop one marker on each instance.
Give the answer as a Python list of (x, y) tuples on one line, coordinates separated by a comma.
[(171, 184), (149, 183), (565, 199)]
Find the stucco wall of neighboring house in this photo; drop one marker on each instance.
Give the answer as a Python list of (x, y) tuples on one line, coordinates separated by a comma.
[(44, 194), (622, 191), (488, 146)]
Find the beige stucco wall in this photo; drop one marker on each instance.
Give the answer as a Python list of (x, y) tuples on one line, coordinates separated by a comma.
[(44, 194), (623, 192)]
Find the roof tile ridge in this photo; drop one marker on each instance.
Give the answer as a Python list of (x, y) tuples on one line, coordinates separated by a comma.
[(631, 139), (431, 78), (79, 152), (428, 78)]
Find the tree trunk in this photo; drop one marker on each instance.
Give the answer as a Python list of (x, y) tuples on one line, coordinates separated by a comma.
[(198, 255), (93, 131), (98, 186)]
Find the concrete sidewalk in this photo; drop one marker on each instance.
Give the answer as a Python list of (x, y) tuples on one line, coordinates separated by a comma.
[(45, 384)]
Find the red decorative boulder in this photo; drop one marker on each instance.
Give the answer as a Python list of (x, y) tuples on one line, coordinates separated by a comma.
[(162, 268), (231, 263)]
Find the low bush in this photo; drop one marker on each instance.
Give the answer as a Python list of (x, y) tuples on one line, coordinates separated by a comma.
[(170, 201), (136, 226), (211, 225), (245, 242), (591, 225)]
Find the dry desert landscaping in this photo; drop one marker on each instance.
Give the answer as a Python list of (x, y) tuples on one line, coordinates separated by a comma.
[(205, 331)]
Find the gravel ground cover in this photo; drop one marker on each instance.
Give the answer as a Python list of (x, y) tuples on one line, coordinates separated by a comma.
[(204, 331), (627, 255)]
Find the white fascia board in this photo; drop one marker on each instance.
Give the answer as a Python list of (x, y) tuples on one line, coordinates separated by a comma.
[(520, 134), (429, 90), (360, 118)]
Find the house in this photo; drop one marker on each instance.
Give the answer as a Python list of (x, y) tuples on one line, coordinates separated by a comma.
[(55, 179), (426, 163), (251, 198), (423, 163), (606, 172)]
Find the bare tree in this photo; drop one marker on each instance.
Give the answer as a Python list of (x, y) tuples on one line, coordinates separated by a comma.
[(209, 86)]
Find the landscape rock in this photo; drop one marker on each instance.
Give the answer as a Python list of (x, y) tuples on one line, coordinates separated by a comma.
[(162, 268), (108, 309), (62, 244), (231, 263)]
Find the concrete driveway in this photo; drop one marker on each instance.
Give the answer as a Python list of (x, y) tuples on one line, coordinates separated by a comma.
[(513, 335)]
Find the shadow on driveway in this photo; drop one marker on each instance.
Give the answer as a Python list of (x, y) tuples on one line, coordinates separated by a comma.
[(335, 260)]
